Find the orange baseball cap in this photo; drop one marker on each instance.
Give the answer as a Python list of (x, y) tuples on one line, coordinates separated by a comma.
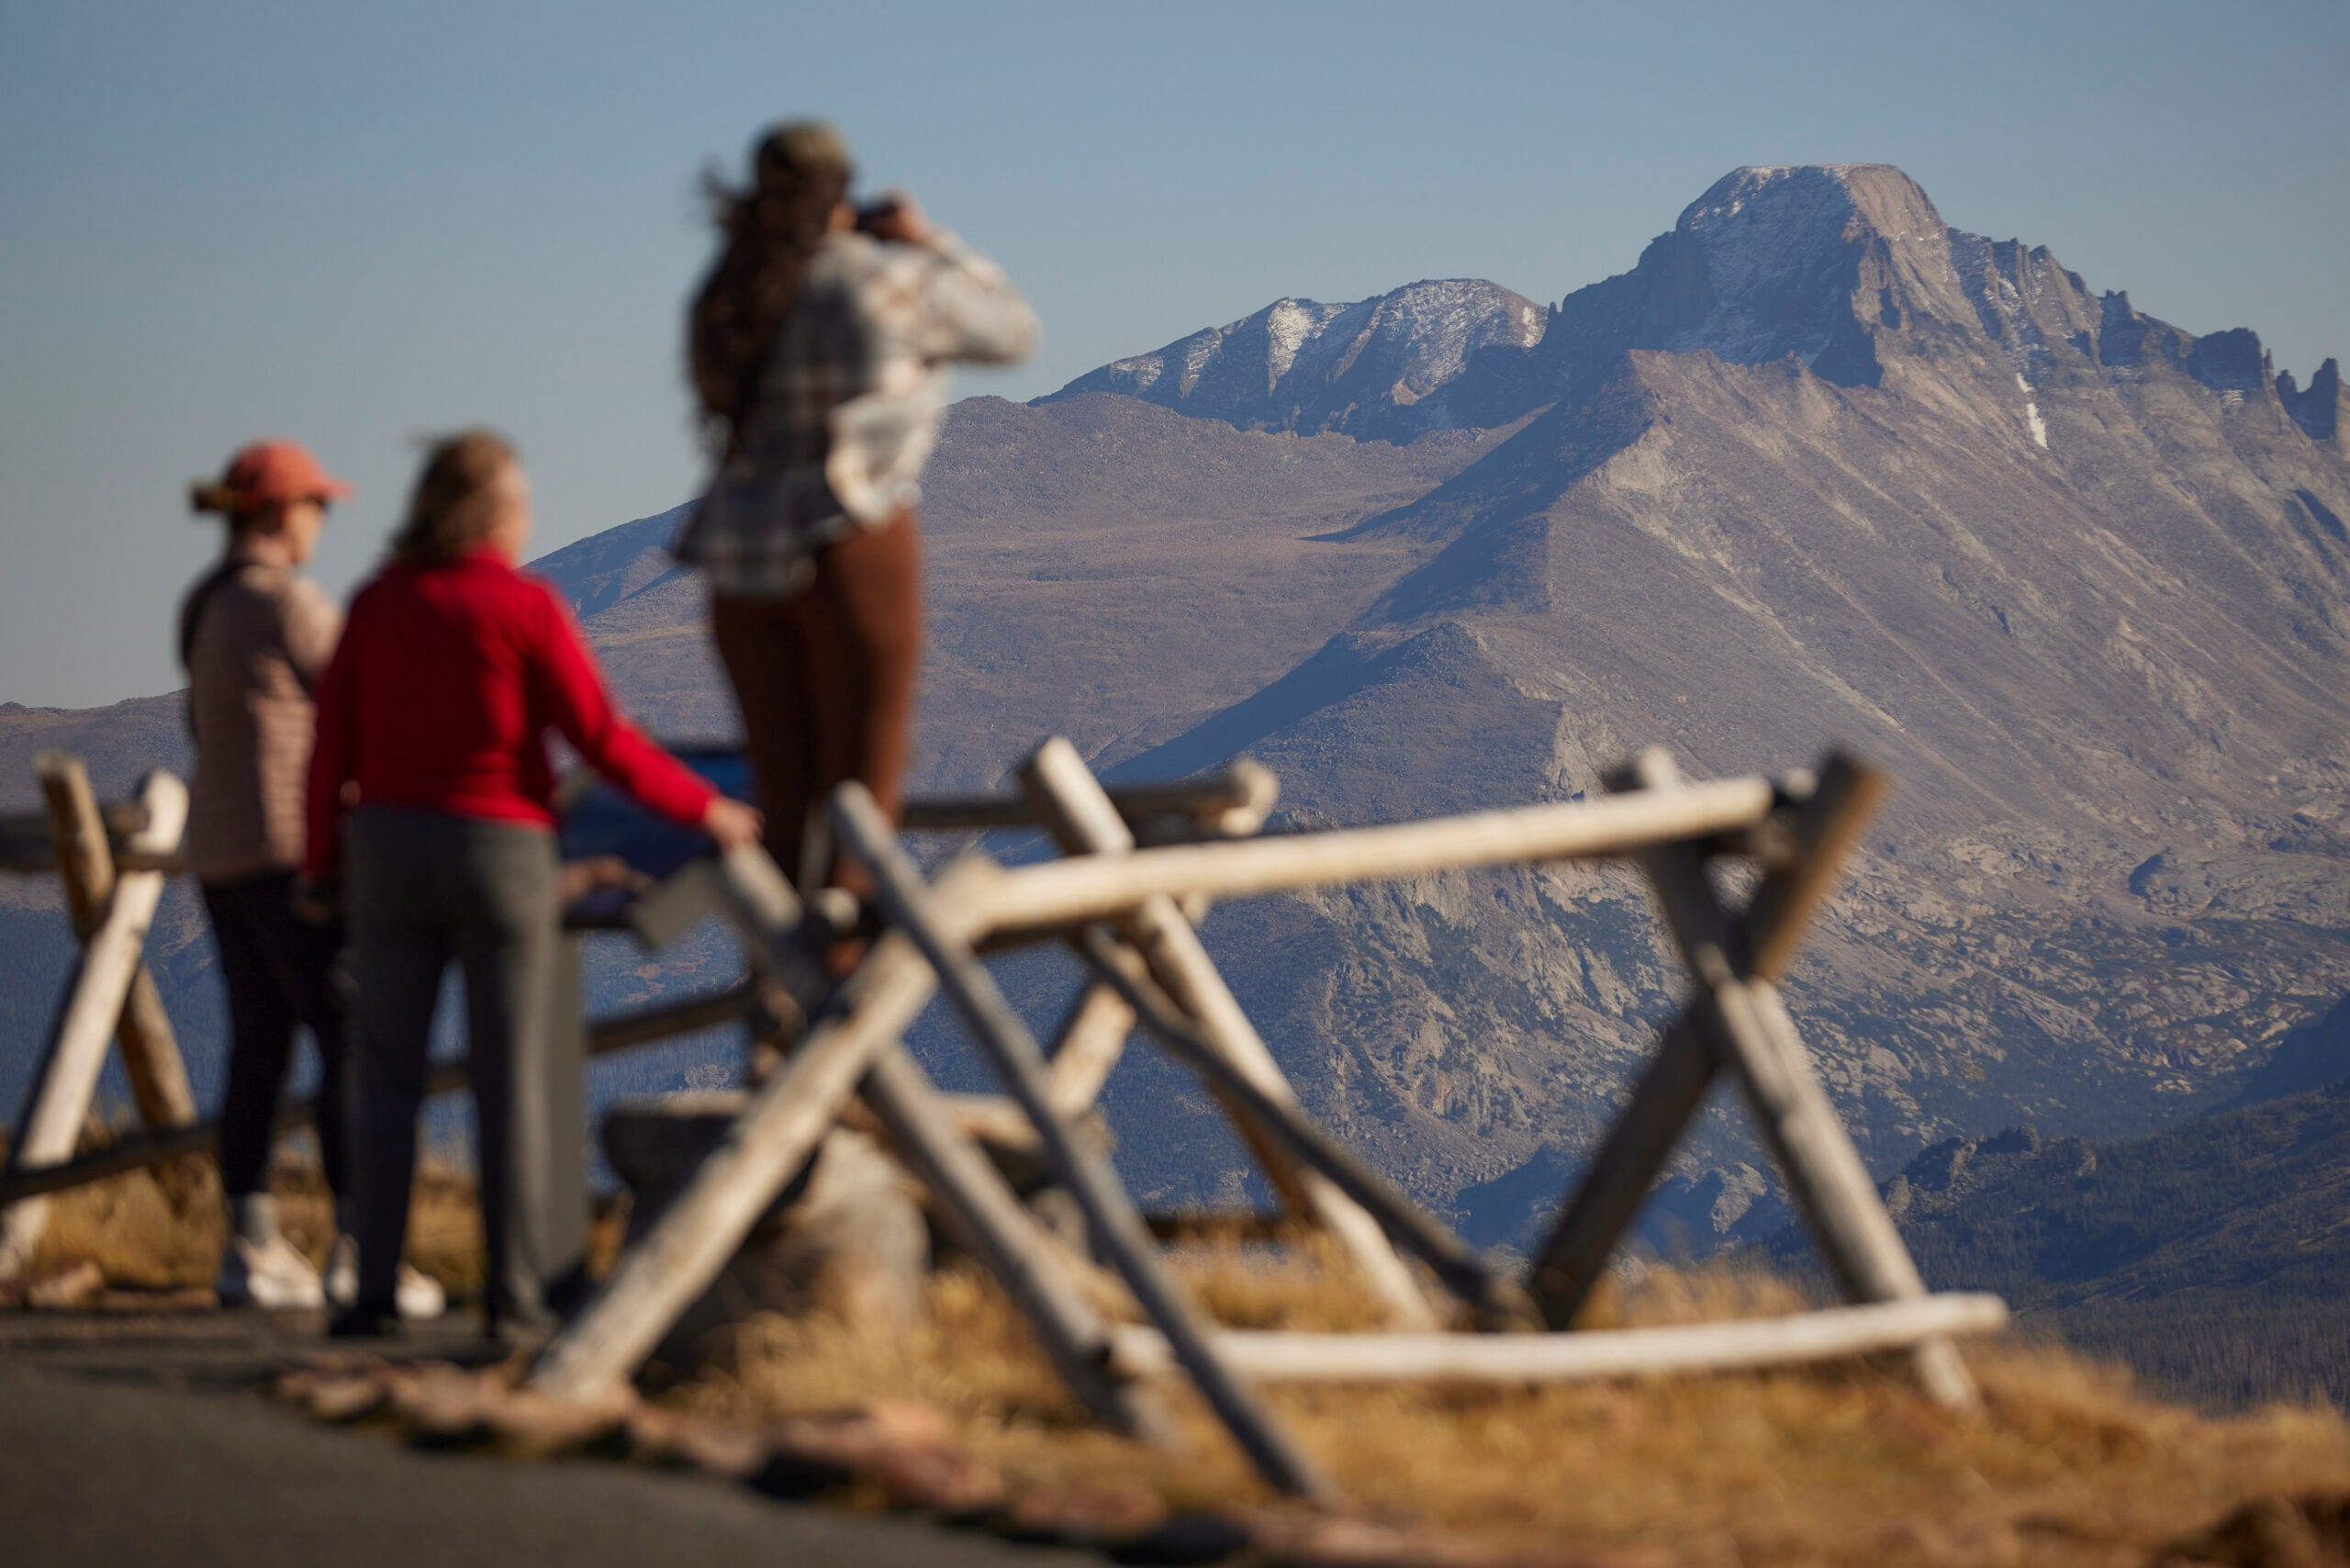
[(264, 472)]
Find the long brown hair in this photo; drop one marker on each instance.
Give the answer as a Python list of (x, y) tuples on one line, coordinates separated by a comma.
[(456, 499), (799, 172)]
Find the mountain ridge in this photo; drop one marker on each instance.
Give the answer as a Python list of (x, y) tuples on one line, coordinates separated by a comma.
[(1403, 351)]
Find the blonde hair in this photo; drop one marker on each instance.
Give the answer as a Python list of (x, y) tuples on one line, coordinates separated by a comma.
[(456, 500)]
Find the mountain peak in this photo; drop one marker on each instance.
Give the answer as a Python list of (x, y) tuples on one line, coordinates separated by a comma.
[(1825, 199), (1778, 259), (1845, 268), (1375, 368)]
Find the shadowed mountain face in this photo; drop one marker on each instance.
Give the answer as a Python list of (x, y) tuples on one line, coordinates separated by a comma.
[(1819, 468), (2207, 1255)]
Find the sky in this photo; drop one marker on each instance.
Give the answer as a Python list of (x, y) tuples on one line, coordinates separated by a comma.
[(360, 226)]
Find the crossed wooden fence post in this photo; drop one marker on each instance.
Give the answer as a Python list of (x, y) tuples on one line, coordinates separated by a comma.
[(1128, 912), (1080, 814), (1737, 1020), (112, 996)]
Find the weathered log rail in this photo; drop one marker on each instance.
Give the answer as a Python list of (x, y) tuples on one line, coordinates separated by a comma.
[(134, 1152), (1831, 1333), (1140, 866), (88, 844), (1233, 801), (1129, 910)]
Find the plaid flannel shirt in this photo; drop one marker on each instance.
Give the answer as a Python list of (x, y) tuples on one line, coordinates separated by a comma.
[(847, 409)]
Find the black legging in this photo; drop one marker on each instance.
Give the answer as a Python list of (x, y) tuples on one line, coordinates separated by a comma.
[(280, 973)]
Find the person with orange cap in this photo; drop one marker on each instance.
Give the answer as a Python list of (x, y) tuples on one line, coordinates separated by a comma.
[(256, 636)]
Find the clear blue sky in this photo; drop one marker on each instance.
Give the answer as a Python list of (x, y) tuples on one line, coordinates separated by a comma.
[(355, 225)]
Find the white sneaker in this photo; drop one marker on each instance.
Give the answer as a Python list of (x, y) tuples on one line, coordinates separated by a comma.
[(276, 1277), (342, 1272), (417, 1294)]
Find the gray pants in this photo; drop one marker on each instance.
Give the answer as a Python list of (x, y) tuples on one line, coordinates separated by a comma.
[(425, 888)]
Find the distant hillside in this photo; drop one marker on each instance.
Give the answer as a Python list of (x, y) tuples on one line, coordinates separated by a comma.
[(2214, 1256), (602, 570)]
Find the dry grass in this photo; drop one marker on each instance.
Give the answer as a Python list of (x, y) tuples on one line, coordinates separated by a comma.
[(1845, 1465), (164, 1230)]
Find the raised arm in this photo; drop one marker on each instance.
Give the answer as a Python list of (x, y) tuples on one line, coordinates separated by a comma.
[(971, 310), (569, 689), (964, 307)]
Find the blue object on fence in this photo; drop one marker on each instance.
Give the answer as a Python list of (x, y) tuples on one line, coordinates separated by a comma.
[(602, 820)]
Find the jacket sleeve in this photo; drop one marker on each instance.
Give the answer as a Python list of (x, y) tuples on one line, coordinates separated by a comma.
[(970, 311), (334, 756), (570, 690)]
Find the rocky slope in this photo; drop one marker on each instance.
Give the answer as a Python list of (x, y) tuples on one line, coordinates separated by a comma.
[(1822, 467), (1819, 468)]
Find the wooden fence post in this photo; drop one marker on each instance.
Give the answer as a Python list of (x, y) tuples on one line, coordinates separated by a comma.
[(1751, 1030), (672, 1264), (1624, 1168), (1087, 1048), (151, 1054), (1117, 1228), (996, 1226), (1497, 1303), (1622, 1172), (94, 1007), (1079, 814)]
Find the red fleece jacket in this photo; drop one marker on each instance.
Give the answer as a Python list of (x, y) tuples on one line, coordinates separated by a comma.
[(439, 696)]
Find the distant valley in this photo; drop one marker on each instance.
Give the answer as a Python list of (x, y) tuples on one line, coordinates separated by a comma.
[(2214, 1256)]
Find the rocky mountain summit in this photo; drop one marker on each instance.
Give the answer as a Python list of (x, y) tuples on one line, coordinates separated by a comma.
[(1819, 468), (1381, 368)]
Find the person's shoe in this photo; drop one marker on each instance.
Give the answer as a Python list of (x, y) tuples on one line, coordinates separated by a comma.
[(366, 1320), (274, 1276), (418, 1295)]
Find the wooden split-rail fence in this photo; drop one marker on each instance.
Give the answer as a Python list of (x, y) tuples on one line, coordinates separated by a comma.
[(1138, 868)]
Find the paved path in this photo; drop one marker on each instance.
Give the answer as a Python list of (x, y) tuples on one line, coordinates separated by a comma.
[(127, 1440)]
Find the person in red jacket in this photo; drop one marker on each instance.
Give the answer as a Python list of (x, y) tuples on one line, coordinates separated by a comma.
[(430, 802)]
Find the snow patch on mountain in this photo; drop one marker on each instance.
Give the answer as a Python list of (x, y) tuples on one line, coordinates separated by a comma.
[(2031, 418)]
